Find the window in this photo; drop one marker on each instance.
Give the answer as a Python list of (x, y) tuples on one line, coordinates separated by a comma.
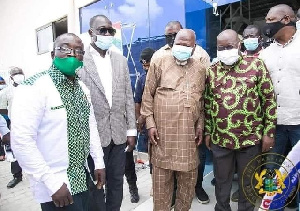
[(48, 33)]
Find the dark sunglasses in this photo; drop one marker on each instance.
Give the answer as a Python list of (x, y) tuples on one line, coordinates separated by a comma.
[(103, 31), (170, 35)]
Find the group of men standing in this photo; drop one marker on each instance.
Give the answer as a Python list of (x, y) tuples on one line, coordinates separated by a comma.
[(83, 105)]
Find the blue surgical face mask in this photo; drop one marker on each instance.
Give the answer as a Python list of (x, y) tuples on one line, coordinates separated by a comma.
[(104, 42), (182, 53), (251, 44)]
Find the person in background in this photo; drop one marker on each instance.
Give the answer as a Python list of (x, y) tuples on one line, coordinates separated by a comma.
[(142, 143), (106, 74), (252, 40), (240, 116), (2, 152), (53, 130), (173, 106), (282, 60), (145, 58), (6, 97)]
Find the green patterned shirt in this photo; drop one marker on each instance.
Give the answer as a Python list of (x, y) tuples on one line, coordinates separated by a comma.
[(78, 111), (240, 105)]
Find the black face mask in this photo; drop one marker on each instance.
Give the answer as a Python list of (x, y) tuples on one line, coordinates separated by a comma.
[(270, 29), (170, 39)]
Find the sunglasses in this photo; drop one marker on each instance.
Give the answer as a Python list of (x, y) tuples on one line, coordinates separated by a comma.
[(104, 31)]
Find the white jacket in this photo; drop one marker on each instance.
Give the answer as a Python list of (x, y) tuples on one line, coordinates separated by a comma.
[(39, 136)]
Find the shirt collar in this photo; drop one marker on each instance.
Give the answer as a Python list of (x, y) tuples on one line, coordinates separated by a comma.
[(94, 52), (58, 77), (166, 47)]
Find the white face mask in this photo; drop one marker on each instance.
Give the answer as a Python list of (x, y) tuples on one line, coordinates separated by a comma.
[(19, 78), (2, 86), (228, 57), (298, 25)]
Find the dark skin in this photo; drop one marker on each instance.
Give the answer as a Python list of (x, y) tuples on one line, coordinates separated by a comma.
[(230, 38), (102, 22), (285, 14), (184, 37), (3, 111), (141, 120), (63, 197), (252, 33)]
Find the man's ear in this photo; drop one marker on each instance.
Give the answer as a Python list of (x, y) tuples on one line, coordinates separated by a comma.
[(90, 33), (193, 50), (52, 54)]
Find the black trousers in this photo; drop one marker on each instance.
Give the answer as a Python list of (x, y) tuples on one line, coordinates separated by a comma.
[(80, 204), (130, 169), (114, 159), (16, 170), (224, 161), (202, 158), (2, 152)]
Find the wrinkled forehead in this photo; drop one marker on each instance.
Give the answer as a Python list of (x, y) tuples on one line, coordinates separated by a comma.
[(70, 41), (251, 31), (172, 29), (227, 40), (101, 22), (185, 38)]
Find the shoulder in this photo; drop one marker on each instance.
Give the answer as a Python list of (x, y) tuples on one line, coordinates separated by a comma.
[(35, 79)]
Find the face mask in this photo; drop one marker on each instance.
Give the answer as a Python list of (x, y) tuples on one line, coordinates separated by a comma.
[(170, 41), (2, 86), (270, 29), (104, 42), (251, 44), (182, 53), (18, 79), (298, 25), (228, 57), (68, 65)]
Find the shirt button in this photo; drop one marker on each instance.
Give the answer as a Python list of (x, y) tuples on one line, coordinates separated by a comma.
[(278, 81), (279, 69)]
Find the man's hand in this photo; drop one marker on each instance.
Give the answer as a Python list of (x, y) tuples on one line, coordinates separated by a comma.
[(140, 123), (100, 177), (199, 136), (130, 143), (153, 135), (207, 141), (6, 139), (62, 197), (267, 143)]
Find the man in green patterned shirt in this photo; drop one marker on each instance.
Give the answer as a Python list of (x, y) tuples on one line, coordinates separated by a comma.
[(240, 116), (53, 130)]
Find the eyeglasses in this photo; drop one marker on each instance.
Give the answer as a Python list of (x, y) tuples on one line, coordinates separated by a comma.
[(104, 30), (64, 50), (228, 47), (171, 35)]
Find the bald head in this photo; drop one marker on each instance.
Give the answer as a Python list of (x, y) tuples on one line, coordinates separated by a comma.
[(67, 41), (66, 38), (185, 37), (173, 27), (283, 9), (228, 35)]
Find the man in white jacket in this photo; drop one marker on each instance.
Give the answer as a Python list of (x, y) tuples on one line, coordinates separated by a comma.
[(53, 130)]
